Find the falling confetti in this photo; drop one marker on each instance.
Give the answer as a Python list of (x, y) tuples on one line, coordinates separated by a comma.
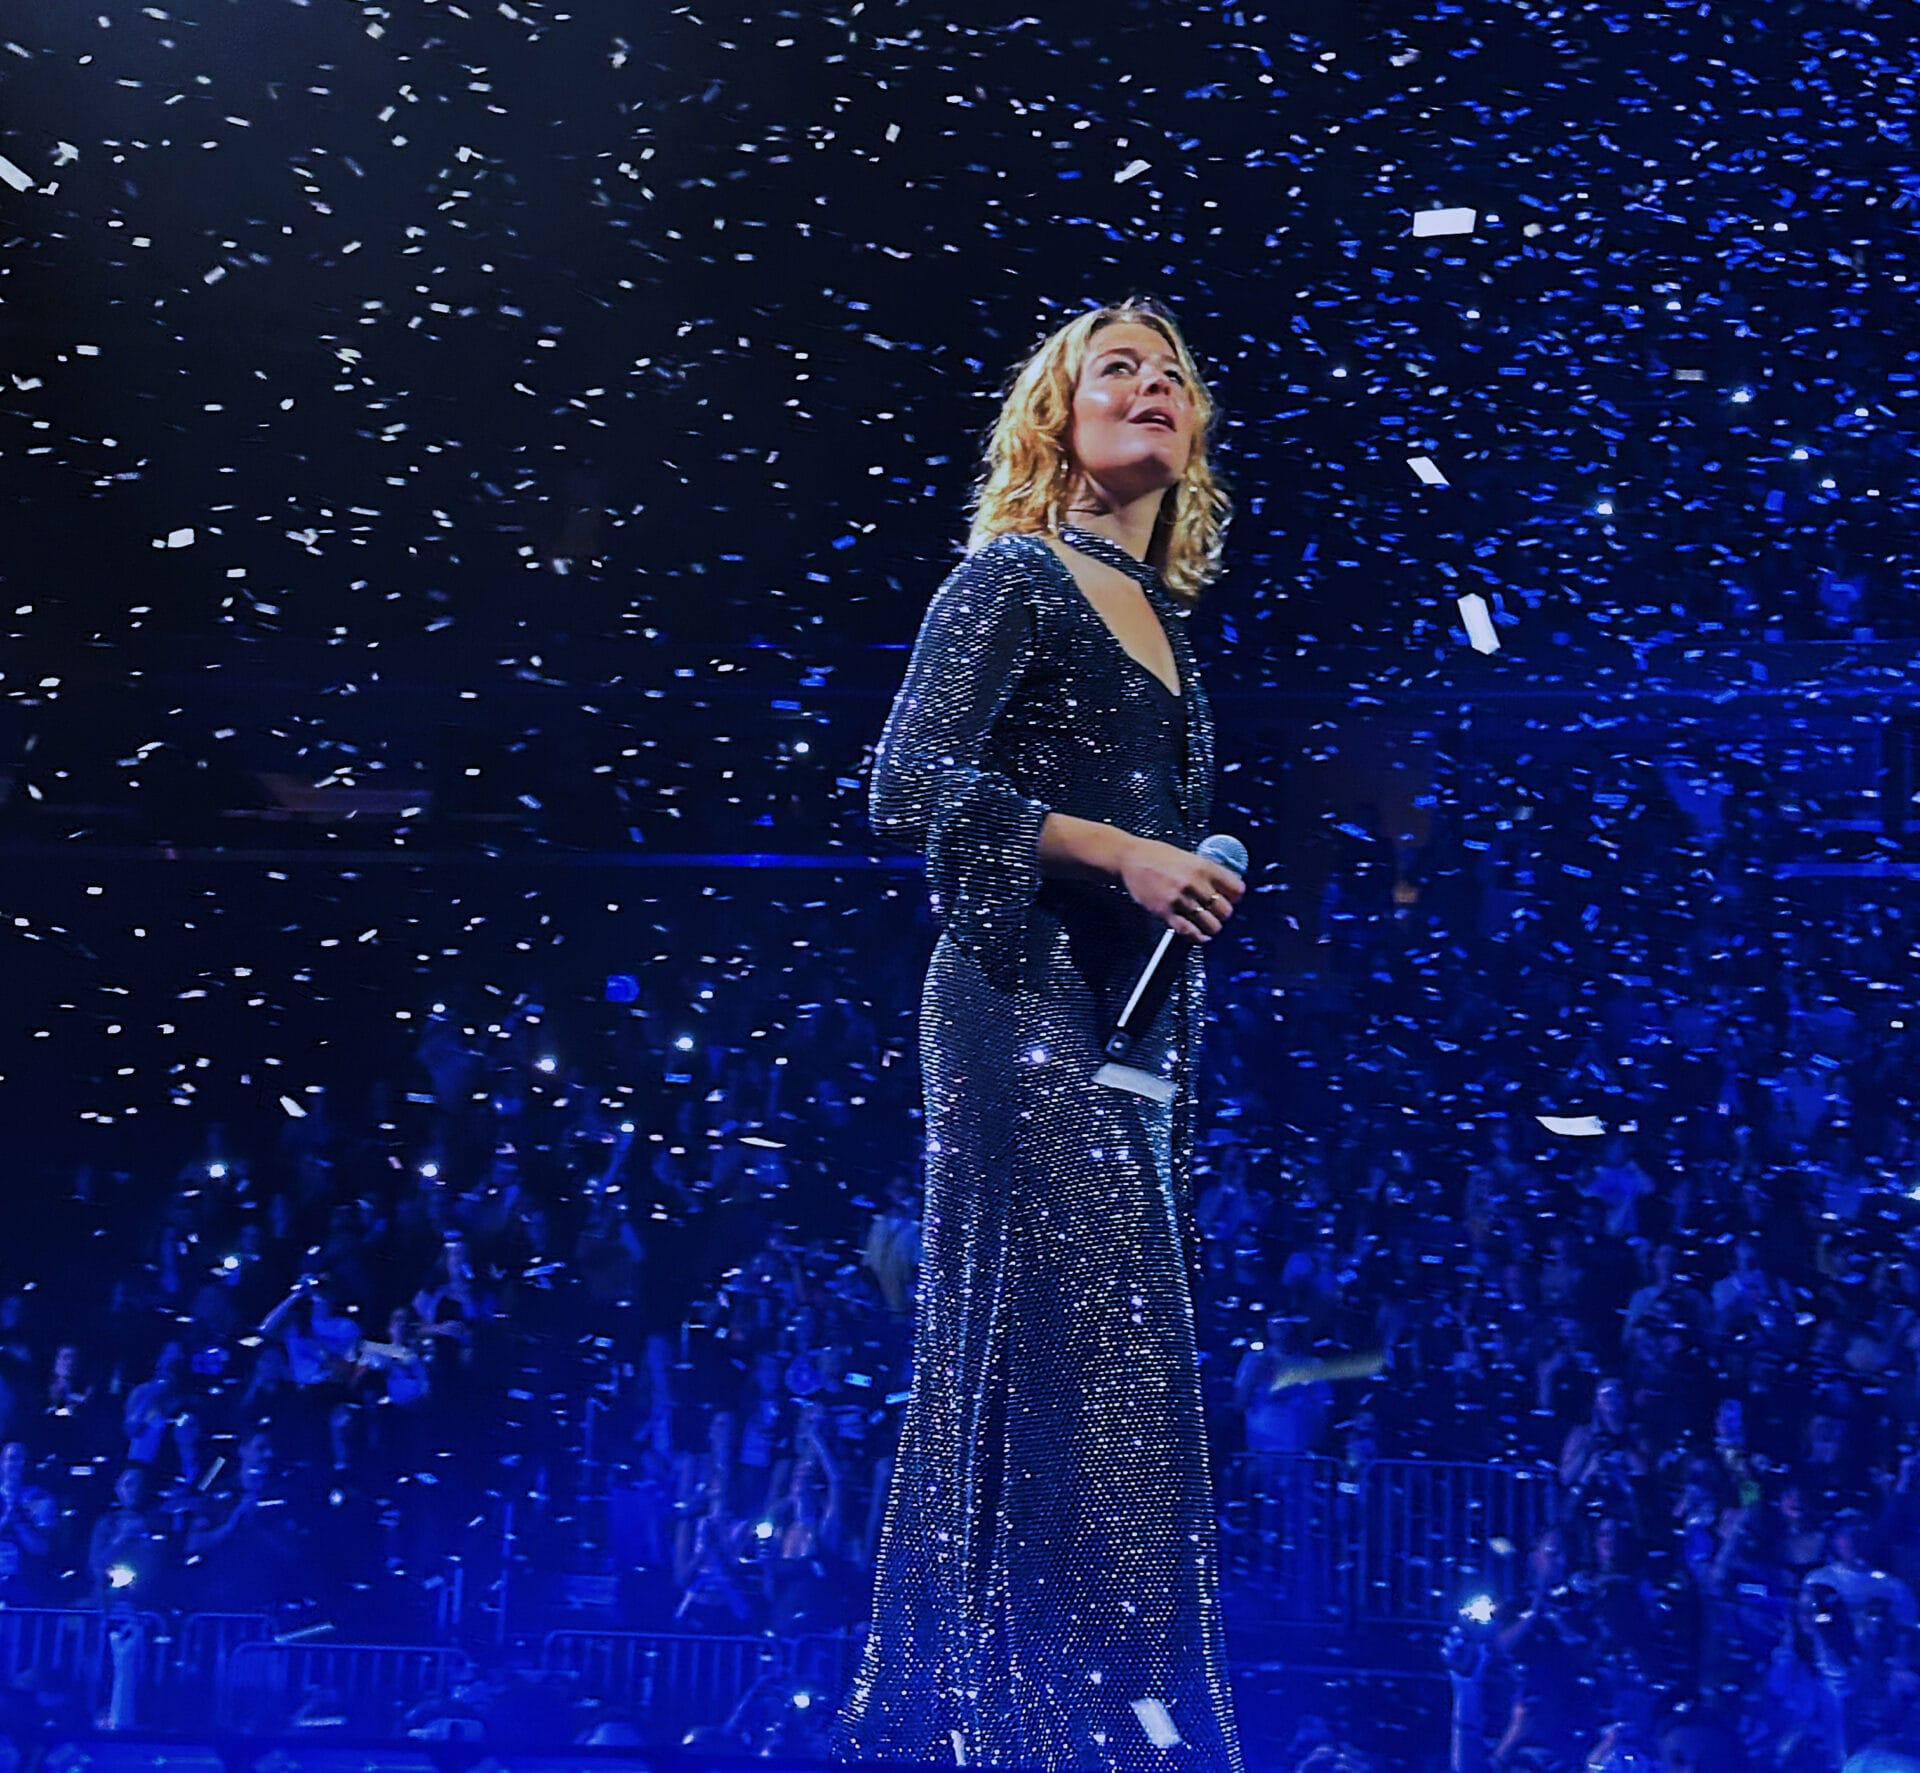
[(1154, 1719), (1479, 621), (1574, 1126), (1431, 222)]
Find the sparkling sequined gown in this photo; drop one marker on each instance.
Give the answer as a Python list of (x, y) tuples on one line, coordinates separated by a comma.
[(1048, 1556)]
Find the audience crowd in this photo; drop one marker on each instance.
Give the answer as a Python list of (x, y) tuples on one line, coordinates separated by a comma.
[(1618, 1190), (1677, 1275)]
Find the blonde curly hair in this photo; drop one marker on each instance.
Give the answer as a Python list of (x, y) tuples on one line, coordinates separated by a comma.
[(1029, 477)]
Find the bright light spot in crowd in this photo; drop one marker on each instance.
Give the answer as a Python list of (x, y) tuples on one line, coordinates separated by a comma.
[(800, 747), (229, 1263), (1479, 1610), (1604, 508), (216, 1170), (803, 1699), (430, 1170), (1799, 455), (544, 1064), (119, 1575), (1742, 395), (764, 1530), (685, 1043)]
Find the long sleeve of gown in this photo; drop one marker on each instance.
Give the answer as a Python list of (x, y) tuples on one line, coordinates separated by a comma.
[(934, 790)]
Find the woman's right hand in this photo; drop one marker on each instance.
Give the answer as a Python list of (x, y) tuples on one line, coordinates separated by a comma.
[(1182, 888)]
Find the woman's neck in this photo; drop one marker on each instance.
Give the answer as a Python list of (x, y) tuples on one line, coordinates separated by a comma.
[(1129, 527)]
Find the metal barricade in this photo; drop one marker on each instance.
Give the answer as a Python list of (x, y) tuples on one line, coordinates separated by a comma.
[(1303, 1541), (827, 1661), (1287, 1538), (262, 1685), (207, 1639), (56, 1643), (1429, 1530), (70, 1646), (671, 1681), (202, 1644)]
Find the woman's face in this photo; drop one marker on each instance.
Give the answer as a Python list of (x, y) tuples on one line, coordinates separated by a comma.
[(1129, 368)]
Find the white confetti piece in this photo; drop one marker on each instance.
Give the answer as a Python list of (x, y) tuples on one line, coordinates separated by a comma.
[(1132, 170), (13, 175), (1157, 1724), (293, 1108), (1430, 222), (180, 538), (1423, 466), (1479, 621), (1573, 1126)]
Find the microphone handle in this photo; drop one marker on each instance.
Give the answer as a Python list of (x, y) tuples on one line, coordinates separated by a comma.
[(1149, 992)]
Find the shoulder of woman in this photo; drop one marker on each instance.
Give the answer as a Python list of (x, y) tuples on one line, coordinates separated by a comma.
[(1005, 573), (1012, 555)]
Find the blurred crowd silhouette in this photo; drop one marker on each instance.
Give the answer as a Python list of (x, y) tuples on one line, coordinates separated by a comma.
[(1616, 1184)]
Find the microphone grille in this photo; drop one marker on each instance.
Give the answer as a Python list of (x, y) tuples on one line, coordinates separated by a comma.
[(1229, 852)]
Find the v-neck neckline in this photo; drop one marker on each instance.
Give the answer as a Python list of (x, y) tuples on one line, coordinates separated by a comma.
[(1109, 553)]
